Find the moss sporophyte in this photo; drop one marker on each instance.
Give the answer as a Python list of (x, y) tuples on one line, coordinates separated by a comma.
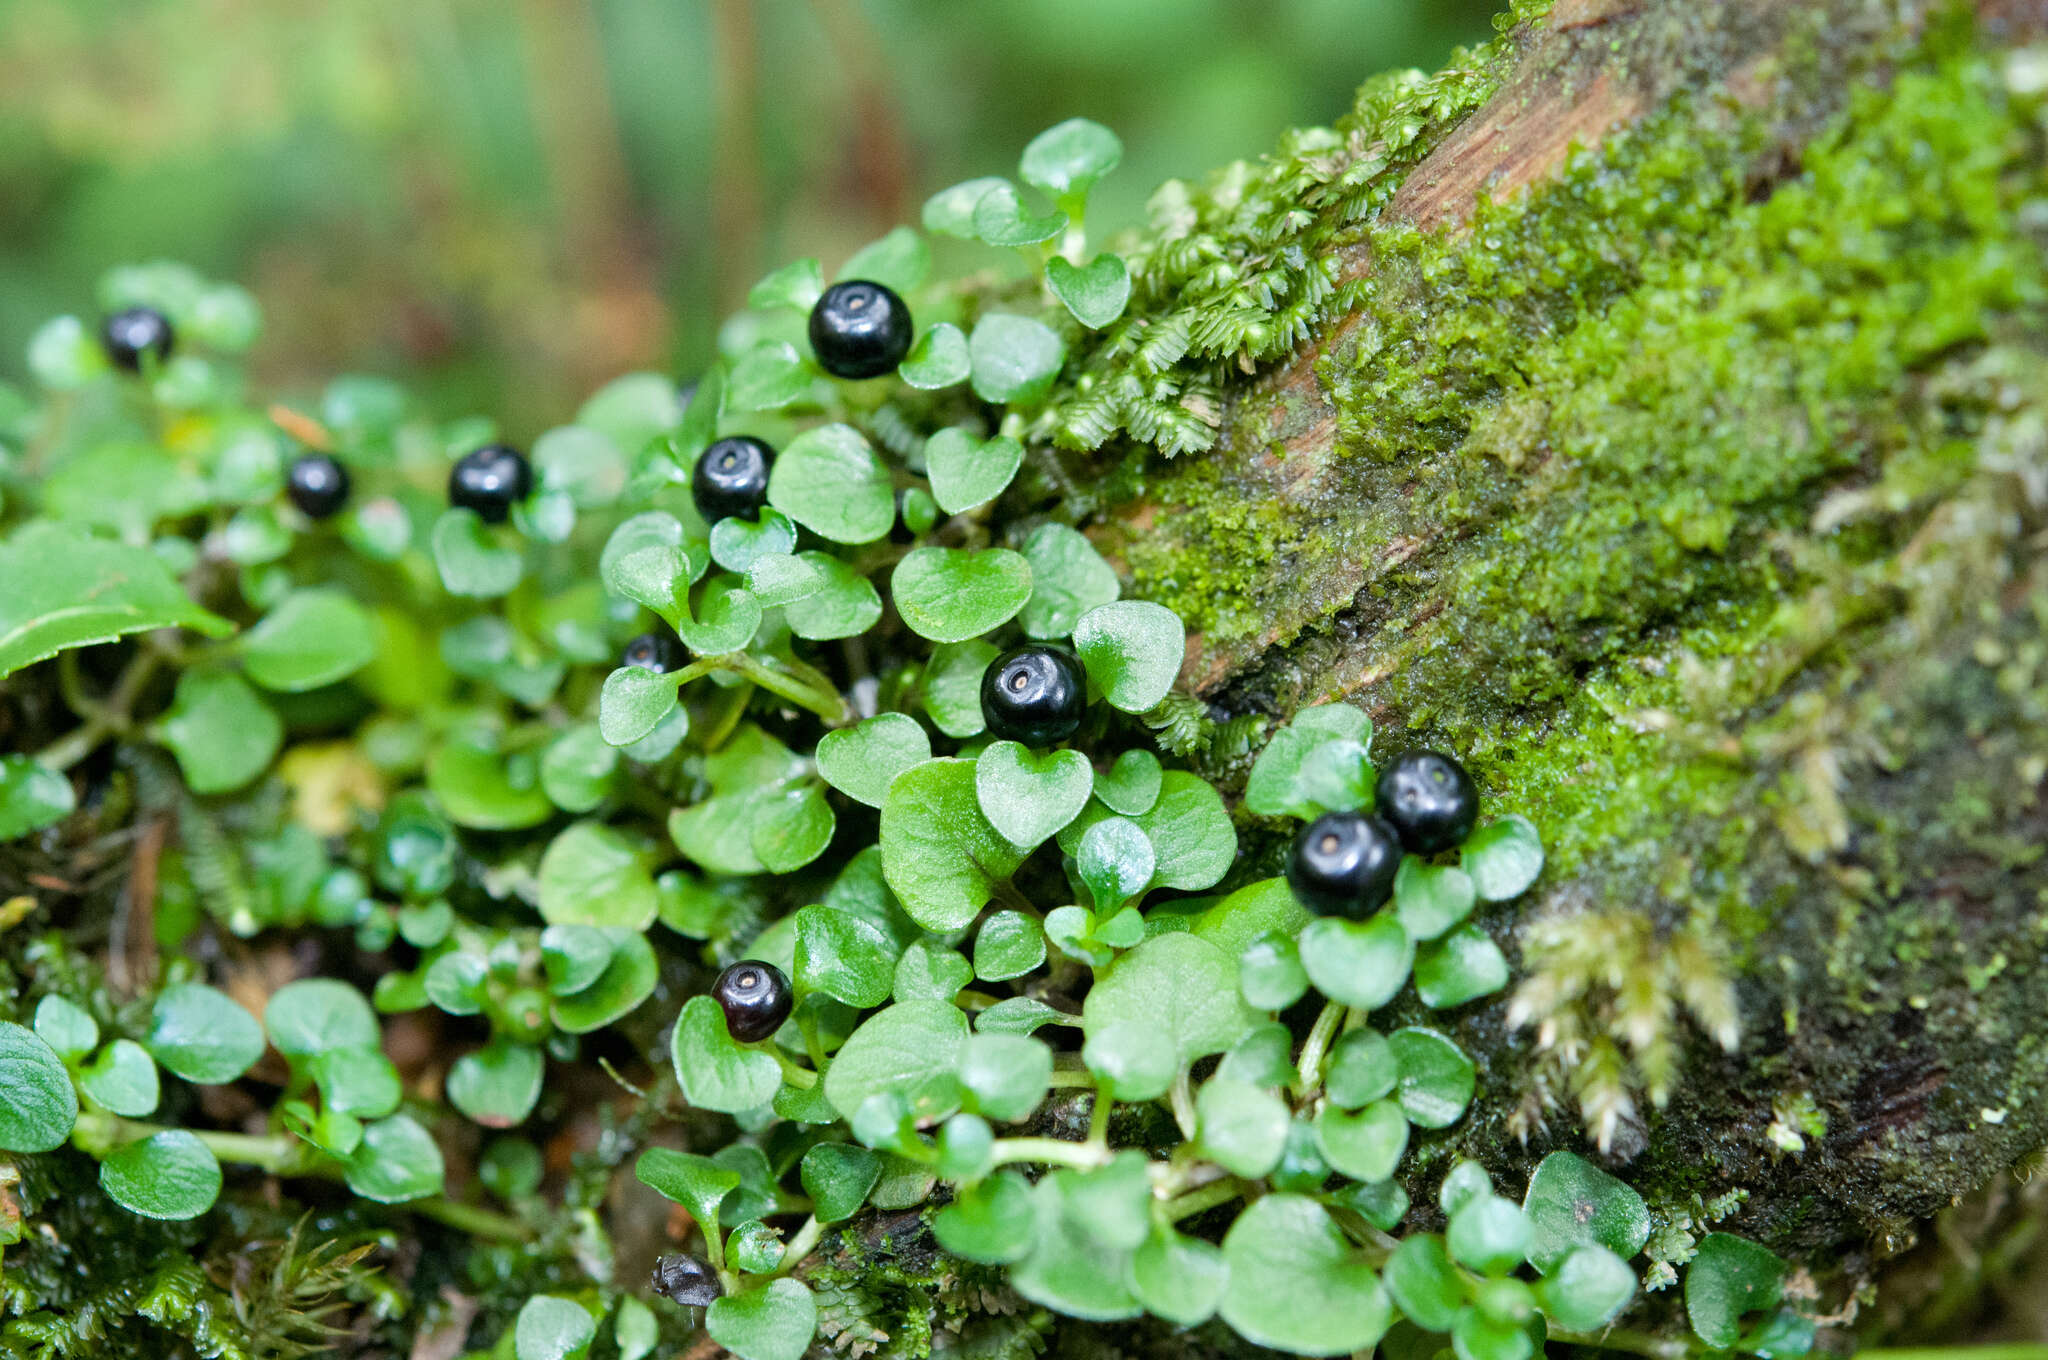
[(972, 1006)]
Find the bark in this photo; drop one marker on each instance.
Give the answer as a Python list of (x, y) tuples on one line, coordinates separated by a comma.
[(1618, 478)]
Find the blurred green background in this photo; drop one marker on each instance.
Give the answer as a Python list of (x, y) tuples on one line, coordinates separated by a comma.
[(504, 202)]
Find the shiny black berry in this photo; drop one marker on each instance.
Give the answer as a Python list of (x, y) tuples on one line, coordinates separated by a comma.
[(317, 485), (860, 329), (653, 652), (1429, 799), (684, 1279), (732, 478), (1343, 864), (755, 997), (488, 481), (1034, 695), (130, 334)]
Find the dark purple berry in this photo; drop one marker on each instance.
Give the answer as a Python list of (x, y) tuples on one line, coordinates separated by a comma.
[(489, 481), (317, 485), (131, 333), (1035, 695), (1343, 864), (1429, 799), (653, 652), (755, 997), (732, 478), (860, 329)]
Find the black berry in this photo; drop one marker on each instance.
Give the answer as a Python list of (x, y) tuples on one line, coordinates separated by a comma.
[(317, 485), (1343, 864), (1429, 799), (1034, 695), (860, 329), (731, 478), (755, 997), (686, 1280), (130, 334), (488, 480), (652, 652)]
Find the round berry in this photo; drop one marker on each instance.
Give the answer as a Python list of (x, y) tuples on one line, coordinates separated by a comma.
[(317, 485), (1034, 695), (732, 478), (683, 1279), (130, 334), (755, 997), (1343, 864), (488, 480), (860, 329), (1429, 799), (653, 652)]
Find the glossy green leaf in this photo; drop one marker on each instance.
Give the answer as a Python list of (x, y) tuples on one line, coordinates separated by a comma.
[(798, 285), (767, 377), (860, 761), (1278, 785), (1133, 650), (633, 702), (911, 1050), (952, 686), (1013, 359), (168, 1175), (478, 787), (1002, 218), (1131, 785), (1008, 945), (1587, 1289), (1365, 1146), (1424, 1283), (1115, 860), (1729, 1278), (1067, 158), (357, 1081), (830, 481), (899, 260), (32, 796), (41, 1106), (311, 638), (573, 956), (1572, 1203), (66, 1027), (628, 979), (1269, 972), (471, 558), (738, 542), (773, 1322), (1503, 858), (221, 731), (950, 211), (778, 578), (1028, 795), (577, 767), (1068, 578), (1462, 966), (929, 971), (953, 594), (68, 588), (1193, 841), (595, 875), (1005, 1075), (715, 1072), (1489, 1234), (939, 853), (724, 618), (1358, 963), (122, 1079), (1361, 1069), (550, 1327), (1178, 1278), (697, 1183), (1430, 899), (1095, 294), (1243, 1127), (1296, 1284), (497, 1085), (965, 471), (1436, 1078), (845, 604), (938, 359), (315, 1015), (991, 1222), (837, 1177), (396, 1161), (1069, 1268), (1251, 911), (843, 955), (634, 1330), (1181, 988)]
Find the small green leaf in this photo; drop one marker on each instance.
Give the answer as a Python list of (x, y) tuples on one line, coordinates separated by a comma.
[(577, 767), (1269, 972), (1264, 1057), (1424, 1283), (754, 1248), (628, 979), (1192, 838), (737, 542), (1009, 945), (949, 212), (1587, 1290), (1430, 899), (650, 529), (1296, 1284), (314, 1015), (1503, 858), (66, 1027), (1365, 1146), (1130, 786), (830, 481), (68, 588), (777, 579), (455, 983), (938, 359), (550, 1327), (697, 1183), (1436, 1080), (1729, 1278), (32, 796), (357, 1081), (630, 411), (1243, 1127), (1133, 650), (479, 788), (796, 285), (595, 875), (202, 1035), (767, 377), (1358, 963), (1361, 1069), (169, 1175), (1572, 1203), (1027, 796), (1066, 159), (965, 471), (1019, 1015), (845, 603), (1068, 578), (470, 558), (792, 827), (911, 1051), (860, 761), (1013, 359), (1115, 860), (1096, 294), (1069, 1268), (991, 1222), (1279, 785), (843, 955), (1005, 1075), (715, 1072), (396, 1161), (41, 1105), (899, 260), (499, 1084), (122, 1079), (774, 1322), (221, 731), (634, 1330), (1252, 910), (1002, 219), (952, 686), (573, 956), (1463, 966), (1178, 987), (1488, 1234), (928, 971), (939, 853), (953, 594), (311, 638), (725, 619), (837, 1177)]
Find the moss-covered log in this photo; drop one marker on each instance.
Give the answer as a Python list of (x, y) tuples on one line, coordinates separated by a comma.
[(1676, 444)]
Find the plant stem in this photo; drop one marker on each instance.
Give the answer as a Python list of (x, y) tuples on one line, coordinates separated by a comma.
[(1182, 1100), (1310, 1070), (1071, 1077), (102, 720), (794, 1074), (826, 704), (800, 1245), (1098, 1116), (1050, 1151), (1203, 1197)]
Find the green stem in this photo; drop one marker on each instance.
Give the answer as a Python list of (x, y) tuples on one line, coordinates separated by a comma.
[(1098, 1116), (1310, 1070), (1182, 1100), (796, 1075), (102, 720), (1071, 1077), (825, 703), (1051, 1152), (800, 1245), (1203, 1197)]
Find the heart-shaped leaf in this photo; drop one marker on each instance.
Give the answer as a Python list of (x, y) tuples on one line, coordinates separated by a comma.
[(844, 604), (633, 702), (32, 796), (938, 359), (471, 559), (1429, 899), (1027, 796), (843, 955), (769, 376), (830, 481), (1002, 219), (1067, 158), (965, 471), (774, 1322), (309, 639), (1115, 859), (1133, 650), (1178, 987), (1462, 966), (1503, 858), (1068, 578), (911, 1051), (221, 731), (1436, 1080), (697, 1183), (1008, 945), (550, 1327), (497, 1085), (939, 853), (724, 620), (796, 285), (396, 1160), (737, 542), (860, 761), (168, 1175), (595, 875), (899, 260), (41, 1105), (628, 979), (122, 1078), (1296, 1284), (1013, 359), (1572, 1203), (953, 594), (1357, 963), (949, 212), (952, 686), (1097, 293), (715, 1072), (779, 578), (202, 1035)]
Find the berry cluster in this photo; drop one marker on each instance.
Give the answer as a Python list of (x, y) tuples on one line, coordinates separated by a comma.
[(1344, 863)]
